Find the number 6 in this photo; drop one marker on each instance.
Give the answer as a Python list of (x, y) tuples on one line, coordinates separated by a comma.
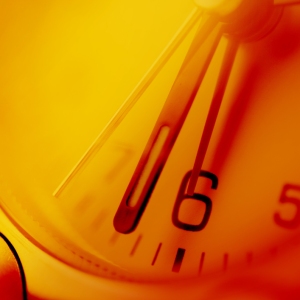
[(199, 197)]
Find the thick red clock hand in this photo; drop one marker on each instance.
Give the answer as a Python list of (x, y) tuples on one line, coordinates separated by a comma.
[(168, 126)]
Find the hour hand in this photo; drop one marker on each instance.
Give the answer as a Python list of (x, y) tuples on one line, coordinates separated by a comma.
[(168, 126)]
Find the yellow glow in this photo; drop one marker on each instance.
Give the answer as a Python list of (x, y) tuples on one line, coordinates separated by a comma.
[(222, 7), (66, 68)]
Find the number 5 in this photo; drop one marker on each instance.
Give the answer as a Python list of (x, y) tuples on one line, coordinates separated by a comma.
[(295, 221)]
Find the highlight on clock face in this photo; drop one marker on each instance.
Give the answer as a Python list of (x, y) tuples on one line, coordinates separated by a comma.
[(223, 7), (144, 150)]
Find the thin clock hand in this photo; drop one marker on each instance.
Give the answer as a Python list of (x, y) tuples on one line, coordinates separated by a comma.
[(219, 93), (213, 112), (168, 125), (218, 96), (132, 98)]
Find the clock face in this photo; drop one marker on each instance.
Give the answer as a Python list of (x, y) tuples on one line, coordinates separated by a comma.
[(72, 139)]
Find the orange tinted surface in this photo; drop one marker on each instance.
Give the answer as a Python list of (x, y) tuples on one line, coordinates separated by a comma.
[(67, 68)]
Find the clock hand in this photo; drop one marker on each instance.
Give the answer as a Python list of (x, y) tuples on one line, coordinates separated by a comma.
[(235, 117), (132, 98), (213, 112), (218, 96), (168, 126)]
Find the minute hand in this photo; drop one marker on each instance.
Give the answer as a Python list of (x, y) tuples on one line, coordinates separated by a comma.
[(168, 126)]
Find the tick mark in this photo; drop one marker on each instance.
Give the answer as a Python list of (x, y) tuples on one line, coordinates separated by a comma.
[(127, 153), (201, 262), (178, 260), (225, 261), (114, 237), (83, 205), (156, 254), (97, 222), (136, 244)]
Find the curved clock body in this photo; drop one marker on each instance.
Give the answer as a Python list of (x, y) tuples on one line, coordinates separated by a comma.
[(66, 70)]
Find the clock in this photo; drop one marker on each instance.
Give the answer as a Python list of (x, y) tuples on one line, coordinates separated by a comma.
[(151, 148)]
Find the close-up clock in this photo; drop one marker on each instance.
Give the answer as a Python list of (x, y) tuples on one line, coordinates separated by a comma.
[(150, 149)]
